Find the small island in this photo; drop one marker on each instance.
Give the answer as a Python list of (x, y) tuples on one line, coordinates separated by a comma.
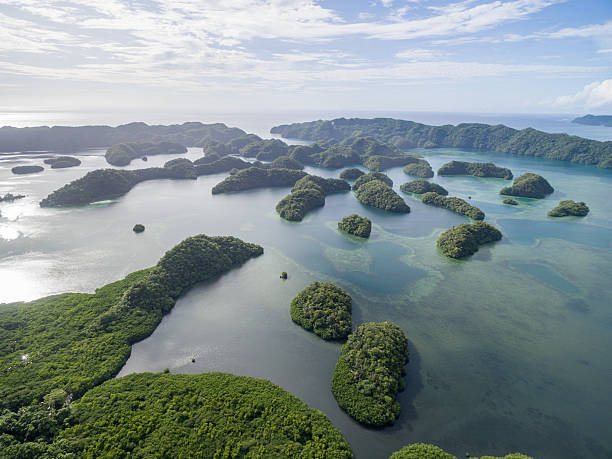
[(369, 372), (456, 205), (376, 193), (356, 225), (419, 169), (463, 240), (377, 163), (324, 309), (10, 197), (528, 185), (426, 451), (138, 228), (212, 165), (62, 162), (181, 168), (351, 174), (421, 186), (475, 169), (308, 193), (282, 162), (365, 178), (569, 208), (22, 170), (122, 154), (254, 177), (510, 202), (594, 120)]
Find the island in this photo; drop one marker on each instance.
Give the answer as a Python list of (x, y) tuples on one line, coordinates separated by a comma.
[(22, 170), (62, 162), (351, 174), (123, 153), (421, 186), (475, 169), (594, 120), (569, 208), (254, 177), (181, 168), (138, 228), (528, 185), (463, 240), (369, 372), (216, 166), (365, 178), (378, 163), (282, 162), (356, 225), (324, 309), (510, 202), (425, 451), (376, 193), (457, 205), (419, 169), (10, 197), (308, 193), (468, 136)]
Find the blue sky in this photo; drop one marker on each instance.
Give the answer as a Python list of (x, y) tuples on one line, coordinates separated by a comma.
[(257, 55)]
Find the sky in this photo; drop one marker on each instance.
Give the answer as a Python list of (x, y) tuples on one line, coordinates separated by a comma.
[(490, 56)]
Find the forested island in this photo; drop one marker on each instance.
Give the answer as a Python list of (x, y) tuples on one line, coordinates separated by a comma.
[(457, 205), (425, 451), (470, 136), (420, 168), (356, 225), (421, 186), (378, 163), (351, 174), (62, 162), (254, 177), (594, 120), (123, 153), (22, 170), (475, 169), (528, 185), (463, 240), (369, 372), (308, 193), (10, 197), (569, 208), (324, 309), (510, 202), (376, 193)]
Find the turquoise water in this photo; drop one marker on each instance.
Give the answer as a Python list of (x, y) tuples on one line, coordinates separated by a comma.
[(509, 349)]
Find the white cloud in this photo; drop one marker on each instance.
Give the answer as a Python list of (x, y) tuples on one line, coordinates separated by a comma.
[(593, 95), (419, 54)]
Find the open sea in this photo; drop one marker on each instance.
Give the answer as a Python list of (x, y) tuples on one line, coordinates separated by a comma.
[(510, 348)]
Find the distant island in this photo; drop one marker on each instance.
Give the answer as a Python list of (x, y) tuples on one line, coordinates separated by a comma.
[(22, 170), (351, 174), (122, 154), (457, 205), (356, 225), (510, 202), (470, 136), (463, 240), (421, 168), (475, 169), (62, 162), (254, 177), (10, 197), (369, 373), (324, 309), (569, 208), (421, 186), (594, 120), (528, 185)]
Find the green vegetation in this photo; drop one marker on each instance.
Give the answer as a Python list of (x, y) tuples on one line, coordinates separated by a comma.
[(225, 164), (10, 197), (457, 205), (510, 201), (67, 139), (214, 148), (75, 341), (324, 309), (425, 451), (61, 162), (351, 174), (594, 120), (419, 169), (308, 193), (378, 194), (283, 275), (207, 415), (470, 136), (181, 168), (475, 169), (138, 228), (122, 154), (463, 240), (569, 207), (421, 186), (21, 170), (368, 374), (528, 185), (378, 163), (284, 162), (265, 150), (254, 177), (365, 178), (356, 225)]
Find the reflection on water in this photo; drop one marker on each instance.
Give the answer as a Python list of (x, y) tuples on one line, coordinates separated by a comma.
[(510, 349)]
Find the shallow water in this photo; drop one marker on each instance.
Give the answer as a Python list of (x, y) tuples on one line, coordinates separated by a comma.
[(509, 349)]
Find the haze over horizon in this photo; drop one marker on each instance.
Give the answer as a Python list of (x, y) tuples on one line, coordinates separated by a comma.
[(514, 56)]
